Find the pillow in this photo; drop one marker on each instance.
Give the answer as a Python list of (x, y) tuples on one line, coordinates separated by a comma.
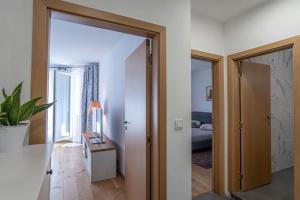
[(206, 127), (196, 124)]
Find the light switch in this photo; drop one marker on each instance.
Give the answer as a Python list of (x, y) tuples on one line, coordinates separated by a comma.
[(178, 124)]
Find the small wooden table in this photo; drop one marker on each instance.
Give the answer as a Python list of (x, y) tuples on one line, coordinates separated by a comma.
[(100, 159)]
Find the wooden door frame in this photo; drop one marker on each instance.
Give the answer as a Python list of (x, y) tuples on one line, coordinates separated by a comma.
[(218, 117), (234, 109), (93, 17)]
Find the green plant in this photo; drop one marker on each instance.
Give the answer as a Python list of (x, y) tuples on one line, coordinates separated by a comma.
[(13, 113)]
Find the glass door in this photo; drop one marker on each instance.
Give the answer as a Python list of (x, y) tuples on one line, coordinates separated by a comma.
[(62, 94)]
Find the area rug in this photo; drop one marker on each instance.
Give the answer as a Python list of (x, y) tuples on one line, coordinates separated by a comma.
[(202, 158)]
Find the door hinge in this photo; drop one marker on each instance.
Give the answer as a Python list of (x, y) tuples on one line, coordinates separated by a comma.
[(241, 125), (150, 59), (149, 139), (240, 72), (239, 66), (149, 44), (241, 176)]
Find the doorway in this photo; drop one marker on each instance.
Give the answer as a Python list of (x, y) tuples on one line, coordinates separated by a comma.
[(83, 15), (108, 99), (213, 94), (267, 126), (202, 131), (280, 171)]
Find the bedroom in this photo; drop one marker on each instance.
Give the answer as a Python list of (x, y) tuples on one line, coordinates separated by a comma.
[(202, 131)]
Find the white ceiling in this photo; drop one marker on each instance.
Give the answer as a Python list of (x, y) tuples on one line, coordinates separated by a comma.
[(200, 65), (72, 43), (223, 10)]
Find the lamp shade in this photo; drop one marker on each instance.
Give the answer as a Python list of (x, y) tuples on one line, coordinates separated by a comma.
[(94, 105)]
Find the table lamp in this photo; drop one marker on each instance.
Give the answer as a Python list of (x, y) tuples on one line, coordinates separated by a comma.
[(94, 107)]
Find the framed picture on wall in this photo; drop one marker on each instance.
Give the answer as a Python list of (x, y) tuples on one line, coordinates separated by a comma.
[(209, 93)]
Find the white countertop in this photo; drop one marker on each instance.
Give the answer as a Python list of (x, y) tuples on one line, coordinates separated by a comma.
[(22, 172)]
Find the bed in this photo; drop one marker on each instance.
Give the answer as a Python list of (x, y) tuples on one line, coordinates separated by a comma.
[(201, 139)]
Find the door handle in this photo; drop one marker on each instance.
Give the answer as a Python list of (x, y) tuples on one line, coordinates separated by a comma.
[(49, 172), (125, 122)]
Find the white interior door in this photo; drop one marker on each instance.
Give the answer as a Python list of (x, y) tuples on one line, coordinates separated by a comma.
[(137, 124)]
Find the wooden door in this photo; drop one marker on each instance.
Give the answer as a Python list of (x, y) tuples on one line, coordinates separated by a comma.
[(255, 125), (137, 124)]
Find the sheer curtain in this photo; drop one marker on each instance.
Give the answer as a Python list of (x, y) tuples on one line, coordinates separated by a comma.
[(50, 113), (76, 94), (90, 91)]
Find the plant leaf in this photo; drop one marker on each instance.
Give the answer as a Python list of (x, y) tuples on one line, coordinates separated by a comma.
[(4, 93), (3, 120), (2, 114), (27, 108), (41, 108), (14, 112), (6, 105), (18, 89)]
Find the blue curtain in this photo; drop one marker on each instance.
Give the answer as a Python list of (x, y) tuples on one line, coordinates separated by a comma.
[(90, 92)]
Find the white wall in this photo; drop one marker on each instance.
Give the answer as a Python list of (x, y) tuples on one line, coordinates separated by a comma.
[(207, 34), (270, 22), (201, 78), (15, 61), (112, 92), (15, 48)]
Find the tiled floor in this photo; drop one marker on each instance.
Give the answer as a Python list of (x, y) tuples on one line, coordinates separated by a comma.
[(281, 188)]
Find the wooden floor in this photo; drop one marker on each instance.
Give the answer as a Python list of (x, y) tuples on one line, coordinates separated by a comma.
[(70, 180), (201, 180)]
